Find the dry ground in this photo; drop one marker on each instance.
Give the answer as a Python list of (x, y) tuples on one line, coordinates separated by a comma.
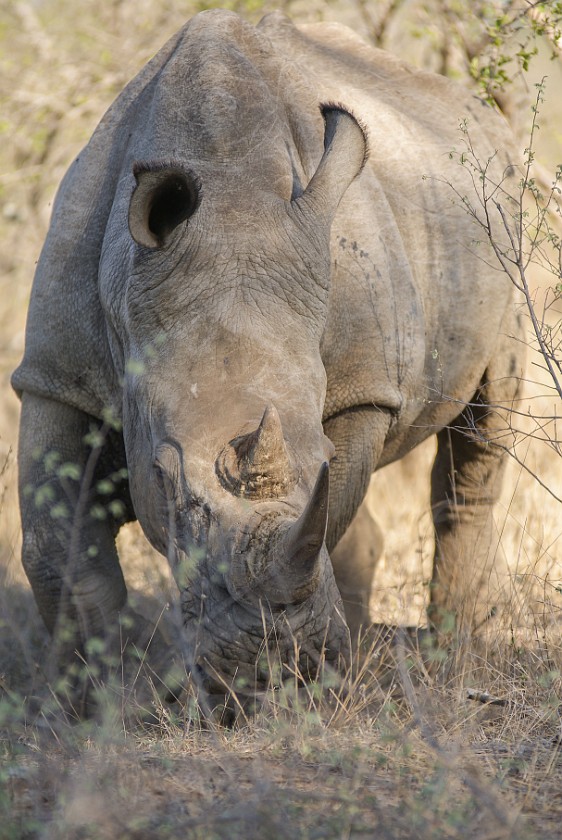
[(404, 754)]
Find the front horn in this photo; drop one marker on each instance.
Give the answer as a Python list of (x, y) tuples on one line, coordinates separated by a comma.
[(281, 563)]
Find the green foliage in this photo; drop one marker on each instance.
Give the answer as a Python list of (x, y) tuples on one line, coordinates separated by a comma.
[(43, 494), (70, 471)]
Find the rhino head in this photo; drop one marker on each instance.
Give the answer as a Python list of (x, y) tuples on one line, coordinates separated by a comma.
[(217, 332)]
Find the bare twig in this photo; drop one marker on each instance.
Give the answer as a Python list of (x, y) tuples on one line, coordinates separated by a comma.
[(484, 697)]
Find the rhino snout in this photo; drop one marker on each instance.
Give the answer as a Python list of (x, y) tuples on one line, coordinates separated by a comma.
[(245, 650)]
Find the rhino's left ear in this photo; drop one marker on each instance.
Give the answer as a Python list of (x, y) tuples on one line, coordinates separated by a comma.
[(165, 196), (345, 154)]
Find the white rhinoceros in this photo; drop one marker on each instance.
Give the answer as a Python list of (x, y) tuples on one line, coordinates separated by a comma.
[(261, 265)]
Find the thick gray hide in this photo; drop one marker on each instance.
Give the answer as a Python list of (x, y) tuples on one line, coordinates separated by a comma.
[(252, 301)]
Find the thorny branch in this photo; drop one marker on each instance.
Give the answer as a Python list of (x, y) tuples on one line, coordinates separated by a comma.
[(530, 240)]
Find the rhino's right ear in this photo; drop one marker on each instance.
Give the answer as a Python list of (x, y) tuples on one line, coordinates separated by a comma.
[(165, 196), (345, 154)]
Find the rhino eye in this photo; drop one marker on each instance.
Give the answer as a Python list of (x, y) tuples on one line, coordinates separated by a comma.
[(165, 196), (167, 464)]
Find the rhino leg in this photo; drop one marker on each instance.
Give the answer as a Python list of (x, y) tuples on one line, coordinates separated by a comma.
[(470, 574), (358, 436), (69, 529), (354, 560)]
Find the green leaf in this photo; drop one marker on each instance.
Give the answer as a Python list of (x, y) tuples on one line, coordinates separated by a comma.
[(70, 470)]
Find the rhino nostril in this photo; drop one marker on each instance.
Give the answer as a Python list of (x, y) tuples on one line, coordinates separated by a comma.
[(197, 672)]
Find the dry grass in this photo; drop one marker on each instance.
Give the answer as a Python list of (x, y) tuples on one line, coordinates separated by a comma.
[(404, 752)]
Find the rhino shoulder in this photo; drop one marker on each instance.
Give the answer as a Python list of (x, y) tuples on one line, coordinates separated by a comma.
[(67, 356)]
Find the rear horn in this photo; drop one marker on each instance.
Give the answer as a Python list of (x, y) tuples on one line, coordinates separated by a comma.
[(256, 465)]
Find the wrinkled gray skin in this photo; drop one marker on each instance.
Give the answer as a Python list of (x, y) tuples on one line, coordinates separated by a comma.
[(254, 301)]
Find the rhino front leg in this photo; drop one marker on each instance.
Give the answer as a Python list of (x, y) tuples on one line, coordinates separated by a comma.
[(354, 539), (468, 564), (354, 560), (358, 435), (470, 574), (71, 512)]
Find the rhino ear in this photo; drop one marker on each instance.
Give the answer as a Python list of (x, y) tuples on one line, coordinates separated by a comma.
[(345, 154), (165, 196)]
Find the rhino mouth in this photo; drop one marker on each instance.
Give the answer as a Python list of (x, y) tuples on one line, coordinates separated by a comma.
[(238, 649), (297, 667)]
